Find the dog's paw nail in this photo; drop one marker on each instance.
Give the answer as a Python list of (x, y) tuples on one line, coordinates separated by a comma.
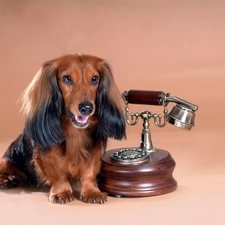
[(81, 197), (53, 201)]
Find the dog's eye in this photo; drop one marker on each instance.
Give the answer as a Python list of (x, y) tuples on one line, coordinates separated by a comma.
[(95, 80), (67, 79)]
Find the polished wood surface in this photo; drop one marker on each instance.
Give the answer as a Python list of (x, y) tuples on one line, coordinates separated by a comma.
[(149, 178)]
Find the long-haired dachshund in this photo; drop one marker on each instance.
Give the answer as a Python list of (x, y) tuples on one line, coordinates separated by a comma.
[(72, 107)]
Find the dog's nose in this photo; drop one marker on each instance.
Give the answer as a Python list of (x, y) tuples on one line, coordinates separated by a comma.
[(85, 108)]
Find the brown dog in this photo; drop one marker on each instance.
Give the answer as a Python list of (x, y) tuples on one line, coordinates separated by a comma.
[(72, 107)]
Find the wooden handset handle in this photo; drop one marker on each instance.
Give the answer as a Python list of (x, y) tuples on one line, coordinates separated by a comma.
[(144, 97)]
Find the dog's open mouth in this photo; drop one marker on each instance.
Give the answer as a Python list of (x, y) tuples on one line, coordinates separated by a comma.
[(80, 121)]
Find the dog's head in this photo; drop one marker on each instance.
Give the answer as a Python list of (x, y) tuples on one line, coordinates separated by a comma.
[(77, 87)]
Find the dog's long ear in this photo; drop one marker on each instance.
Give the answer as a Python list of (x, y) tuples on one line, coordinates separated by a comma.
[(42, 106), (109, 106)]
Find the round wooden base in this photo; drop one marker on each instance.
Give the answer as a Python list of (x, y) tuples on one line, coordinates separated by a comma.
[(149, 178)]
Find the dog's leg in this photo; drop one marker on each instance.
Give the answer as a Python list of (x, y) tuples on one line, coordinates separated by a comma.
[(15, 167), (10, 176), (51, 175), (90, 192)]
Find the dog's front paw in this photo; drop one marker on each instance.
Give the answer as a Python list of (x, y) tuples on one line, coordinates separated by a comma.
[(61, 198), (94, 197), (8, 181)]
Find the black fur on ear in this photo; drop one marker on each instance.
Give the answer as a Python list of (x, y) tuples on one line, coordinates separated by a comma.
[(43, 105), (111, 121)]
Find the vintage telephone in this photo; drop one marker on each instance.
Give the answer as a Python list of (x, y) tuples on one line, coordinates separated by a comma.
[(145, 170)]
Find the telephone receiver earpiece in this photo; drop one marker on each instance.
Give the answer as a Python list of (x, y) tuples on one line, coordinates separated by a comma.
[(183, 114)]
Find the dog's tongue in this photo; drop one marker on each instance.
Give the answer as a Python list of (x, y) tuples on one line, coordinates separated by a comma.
[(81, 119)]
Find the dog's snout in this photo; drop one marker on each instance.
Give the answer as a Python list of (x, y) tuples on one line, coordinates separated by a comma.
[(85, 108)]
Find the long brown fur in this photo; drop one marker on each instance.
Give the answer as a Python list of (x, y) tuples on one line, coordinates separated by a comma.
[(55, 148)]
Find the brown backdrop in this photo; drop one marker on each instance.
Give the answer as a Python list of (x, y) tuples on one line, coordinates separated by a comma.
[(173, 46)]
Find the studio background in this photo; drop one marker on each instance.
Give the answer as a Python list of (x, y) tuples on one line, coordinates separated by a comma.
[(172, 46)]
